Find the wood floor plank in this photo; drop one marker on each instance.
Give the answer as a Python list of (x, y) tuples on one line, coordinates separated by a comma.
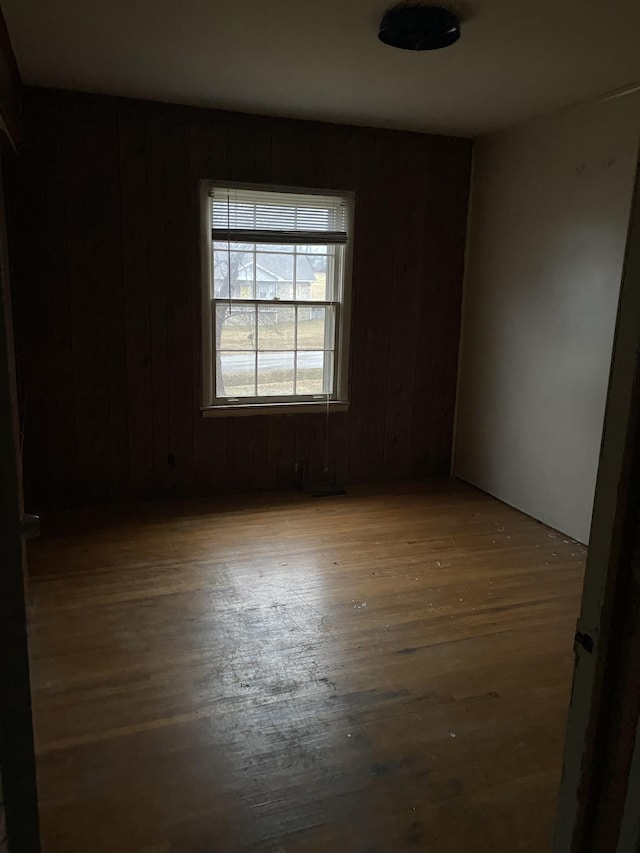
[(387, 670)]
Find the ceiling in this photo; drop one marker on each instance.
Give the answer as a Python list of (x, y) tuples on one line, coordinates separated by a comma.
[(321, 58)]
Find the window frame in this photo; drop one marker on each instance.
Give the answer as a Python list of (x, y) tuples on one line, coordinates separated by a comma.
[(211, 406)]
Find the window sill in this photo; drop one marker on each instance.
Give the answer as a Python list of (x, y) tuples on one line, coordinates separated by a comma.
[(238, 410)]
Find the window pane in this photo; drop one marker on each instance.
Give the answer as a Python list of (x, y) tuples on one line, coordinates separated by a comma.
[(235, 327), (274, 247), (274, 275), (315, 272), (267, 290), (314, 371), (306, 279), (315, 249), (224, 245), (276, 327), (235, 374), (315, 327), (233, 274), (275, 373)]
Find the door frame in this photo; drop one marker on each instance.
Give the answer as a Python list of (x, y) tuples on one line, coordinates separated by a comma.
[(601, 753), (17, 755)]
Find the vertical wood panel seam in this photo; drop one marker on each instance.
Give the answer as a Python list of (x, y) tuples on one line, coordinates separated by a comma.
[(124, 295), (68, 283)]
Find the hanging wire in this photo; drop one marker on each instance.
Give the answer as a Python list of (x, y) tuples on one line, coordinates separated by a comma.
[(336, 355), (326, 440), (229, 249), (229, 310)]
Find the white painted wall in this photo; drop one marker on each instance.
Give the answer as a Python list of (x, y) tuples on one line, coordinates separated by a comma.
[(549, 213)]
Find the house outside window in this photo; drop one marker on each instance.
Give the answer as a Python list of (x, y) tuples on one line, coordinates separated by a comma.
[(275, 298)]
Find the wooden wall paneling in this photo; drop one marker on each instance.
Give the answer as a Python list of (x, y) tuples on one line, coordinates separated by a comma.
[(10, 89), (136, 325), (133, 182), (438, 347), (318, 463), (89, 290), (380, 245), (429, 344), (255, 437), (19, 813), (368, 190), (451, 191), (111, 261), (390, 175), (61, 402), (455, 231), (265, 436), (240, 447), (299, 154), (338, 427), (25, 193), (257, 134), (184, 398), (286, 459), (406, 320), (208, 157), (158, 205), (280, 451), (301, 450)]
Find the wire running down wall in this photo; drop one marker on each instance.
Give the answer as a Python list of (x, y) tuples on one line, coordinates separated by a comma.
[(104, 242)]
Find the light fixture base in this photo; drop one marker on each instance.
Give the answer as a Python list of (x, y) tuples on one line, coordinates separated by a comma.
[(414, 26)]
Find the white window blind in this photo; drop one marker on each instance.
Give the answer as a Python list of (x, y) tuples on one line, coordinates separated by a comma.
[(263, 216)]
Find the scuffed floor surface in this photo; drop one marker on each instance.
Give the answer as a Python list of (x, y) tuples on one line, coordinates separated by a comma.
[(383, 671)]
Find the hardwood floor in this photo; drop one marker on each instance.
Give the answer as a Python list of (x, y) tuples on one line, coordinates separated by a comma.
[(387, 670)]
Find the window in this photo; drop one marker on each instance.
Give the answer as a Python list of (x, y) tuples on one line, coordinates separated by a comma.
[(275, 307)]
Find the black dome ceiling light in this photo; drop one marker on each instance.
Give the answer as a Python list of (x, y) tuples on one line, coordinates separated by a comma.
[(414, 26)]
